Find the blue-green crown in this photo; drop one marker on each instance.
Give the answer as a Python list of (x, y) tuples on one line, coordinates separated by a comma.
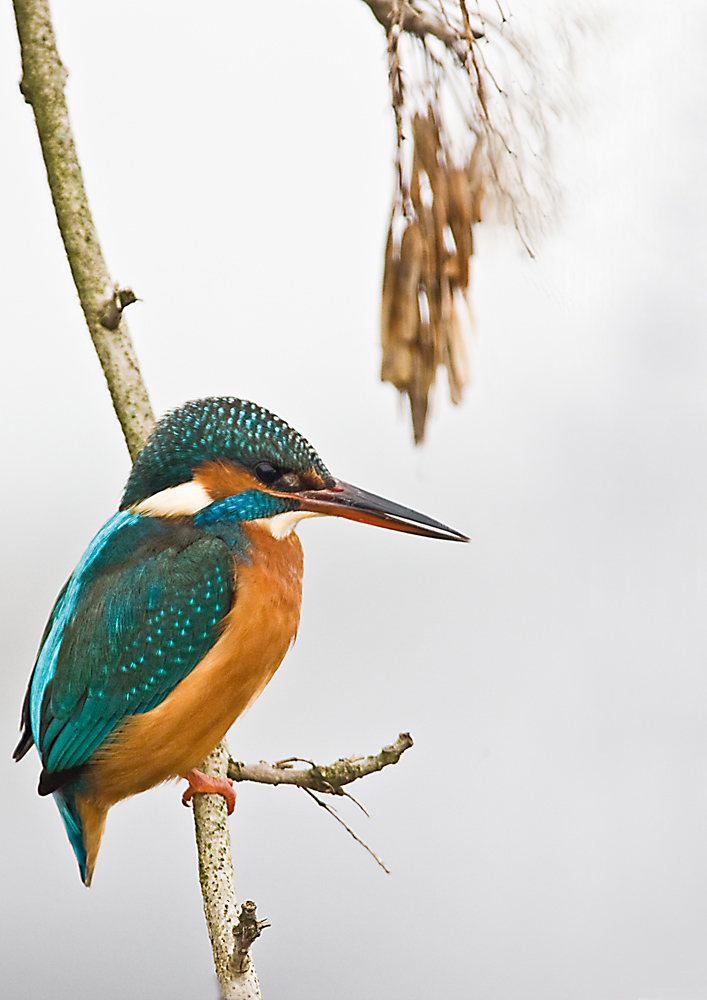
[(217, 427)]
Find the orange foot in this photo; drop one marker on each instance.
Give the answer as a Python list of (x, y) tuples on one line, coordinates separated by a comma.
[(200, 782)]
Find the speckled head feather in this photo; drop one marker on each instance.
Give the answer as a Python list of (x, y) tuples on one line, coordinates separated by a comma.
[(216, 428)]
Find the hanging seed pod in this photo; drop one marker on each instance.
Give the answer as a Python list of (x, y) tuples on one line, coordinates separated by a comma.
[(460, 219), (419, 326), (457, 358), (400, 313)]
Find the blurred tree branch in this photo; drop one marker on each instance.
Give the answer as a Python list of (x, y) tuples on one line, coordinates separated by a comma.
[(421, 23), (470, 105)]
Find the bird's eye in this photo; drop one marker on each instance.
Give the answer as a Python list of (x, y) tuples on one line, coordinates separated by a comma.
[(267, 472)]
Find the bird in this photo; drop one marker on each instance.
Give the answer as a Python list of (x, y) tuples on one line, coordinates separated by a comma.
[(181, 609)]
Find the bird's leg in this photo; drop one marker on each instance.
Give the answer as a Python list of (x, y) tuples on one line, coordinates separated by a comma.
[(200, 782)]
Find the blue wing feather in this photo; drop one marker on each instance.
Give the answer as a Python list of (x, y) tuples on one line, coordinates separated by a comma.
[(142, 609), (61, 614)]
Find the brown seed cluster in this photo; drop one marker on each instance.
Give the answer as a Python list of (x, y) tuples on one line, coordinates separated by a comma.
[(426, 272), (472, 105)]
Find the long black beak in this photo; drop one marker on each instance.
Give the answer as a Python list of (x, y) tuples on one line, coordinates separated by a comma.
[(344, 500)]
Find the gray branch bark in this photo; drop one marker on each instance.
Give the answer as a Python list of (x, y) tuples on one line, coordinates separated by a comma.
[(43, 79), (234, 967)]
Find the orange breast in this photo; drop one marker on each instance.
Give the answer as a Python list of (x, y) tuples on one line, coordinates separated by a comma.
[(178, 734)]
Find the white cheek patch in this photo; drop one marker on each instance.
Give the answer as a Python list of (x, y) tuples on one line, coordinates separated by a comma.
[(187, 498), (282, 525)]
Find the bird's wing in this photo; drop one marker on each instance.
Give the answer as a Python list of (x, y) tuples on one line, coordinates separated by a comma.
[(141, 611), (27, 739)]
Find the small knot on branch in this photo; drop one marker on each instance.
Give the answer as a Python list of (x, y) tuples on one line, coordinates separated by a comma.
[(25, 91), (111, 311), (245, 933)]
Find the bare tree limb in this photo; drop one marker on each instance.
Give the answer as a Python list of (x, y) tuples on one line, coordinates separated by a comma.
[(234, 965), (329, 778), (43, 79)]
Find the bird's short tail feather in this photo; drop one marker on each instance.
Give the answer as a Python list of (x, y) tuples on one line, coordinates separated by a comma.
[(84, 822)]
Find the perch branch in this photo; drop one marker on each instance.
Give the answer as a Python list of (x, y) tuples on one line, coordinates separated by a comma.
[(234, 965), (43, 79)]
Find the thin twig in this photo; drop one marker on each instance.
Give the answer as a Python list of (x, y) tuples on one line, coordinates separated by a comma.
[(332, 812)]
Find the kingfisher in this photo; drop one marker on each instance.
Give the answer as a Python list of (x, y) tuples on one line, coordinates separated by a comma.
[(181, 609)]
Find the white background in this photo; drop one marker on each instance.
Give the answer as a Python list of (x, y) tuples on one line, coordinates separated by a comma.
[(547, 835)]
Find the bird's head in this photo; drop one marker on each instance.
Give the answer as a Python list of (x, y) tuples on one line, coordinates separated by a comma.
[(210, 450)]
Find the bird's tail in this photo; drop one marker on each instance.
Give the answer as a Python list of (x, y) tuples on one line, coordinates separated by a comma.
[(84, 822)]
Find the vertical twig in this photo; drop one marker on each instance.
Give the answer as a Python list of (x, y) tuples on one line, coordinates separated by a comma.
[(43, 79)]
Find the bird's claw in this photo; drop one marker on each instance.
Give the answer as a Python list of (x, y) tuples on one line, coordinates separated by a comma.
[(204, 783)]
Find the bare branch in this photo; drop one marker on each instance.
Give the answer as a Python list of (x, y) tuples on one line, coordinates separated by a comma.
[(328, 778), (43, 79), (236, 972)]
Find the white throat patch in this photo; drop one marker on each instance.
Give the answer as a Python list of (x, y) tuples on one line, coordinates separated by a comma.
[(282, 525), (187, 498)]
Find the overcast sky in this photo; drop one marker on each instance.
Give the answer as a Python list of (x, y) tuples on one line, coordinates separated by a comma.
[(547, 835)]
